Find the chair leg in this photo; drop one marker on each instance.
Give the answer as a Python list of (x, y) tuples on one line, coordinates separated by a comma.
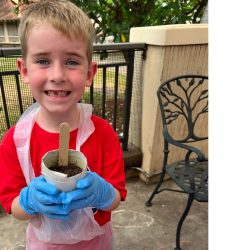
[(183, 217), (148, 203)]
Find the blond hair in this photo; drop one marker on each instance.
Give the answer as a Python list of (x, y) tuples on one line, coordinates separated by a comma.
[(63, 15)]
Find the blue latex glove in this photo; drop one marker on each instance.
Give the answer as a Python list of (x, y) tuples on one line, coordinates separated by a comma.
[(40, 197), (92, 191)]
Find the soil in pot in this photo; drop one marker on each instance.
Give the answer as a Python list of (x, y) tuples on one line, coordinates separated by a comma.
[(70, 170)]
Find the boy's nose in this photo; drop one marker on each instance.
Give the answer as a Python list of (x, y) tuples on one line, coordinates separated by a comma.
[(57, 73)]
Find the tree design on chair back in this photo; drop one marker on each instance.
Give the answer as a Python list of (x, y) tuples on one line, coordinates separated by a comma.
[(184, 98)]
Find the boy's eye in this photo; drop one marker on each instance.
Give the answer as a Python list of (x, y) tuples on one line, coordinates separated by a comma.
[(42, 61), (72, 62)]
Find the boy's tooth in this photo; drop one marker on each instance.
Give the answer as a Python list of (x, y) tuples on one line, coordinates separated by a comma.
[(62, 93)]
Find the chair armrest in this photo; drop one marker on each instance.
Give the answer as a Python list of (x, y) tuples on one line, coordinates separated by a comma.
[(200, 155)]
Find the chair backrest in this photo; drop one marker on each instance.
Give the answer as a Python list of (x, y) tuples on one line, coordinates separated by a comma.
[(184, 108)]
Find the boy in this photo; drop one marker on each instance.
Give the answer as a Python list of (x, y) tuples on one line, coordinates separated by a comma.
[(56, 41)]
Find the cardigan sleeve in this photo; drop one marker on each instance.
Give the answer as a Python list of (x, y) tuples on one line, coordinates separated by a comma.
[(11, 176)]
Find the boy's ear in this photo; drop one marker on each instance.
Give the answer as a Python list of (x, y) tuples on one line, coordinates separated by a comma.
[(21, 65), (91, 73)]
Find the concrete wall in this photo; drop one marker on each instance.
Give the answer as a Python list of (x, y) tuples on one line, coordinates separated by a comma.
[(172, 50)]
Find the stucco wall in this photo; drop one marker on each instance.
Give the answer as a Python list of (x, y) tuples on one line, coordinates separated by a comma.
[(172, 50)]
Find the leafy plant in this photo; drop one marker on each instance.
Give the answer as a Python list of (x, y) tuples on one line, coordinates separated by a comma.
[(116, 17)]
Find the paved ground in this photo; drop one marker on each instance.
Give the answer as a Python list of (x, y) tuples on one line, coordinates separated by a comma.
[(136, 226)]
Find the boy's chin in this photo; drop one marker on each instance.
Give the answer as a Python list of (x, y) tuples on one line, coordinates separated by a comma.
[(61, 110)]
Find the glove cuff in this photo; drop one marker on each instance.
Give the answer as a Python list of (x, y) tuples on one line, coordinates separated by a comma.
[(23, 202), (108, 199)]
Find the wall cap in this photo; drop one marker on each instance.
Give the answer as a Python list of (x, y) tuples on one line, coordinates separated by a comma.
[(172, 34)]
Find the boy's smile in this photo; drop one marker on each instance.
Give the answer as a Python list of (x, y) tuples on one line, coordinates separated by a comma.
[(60, 93), (57, 70)]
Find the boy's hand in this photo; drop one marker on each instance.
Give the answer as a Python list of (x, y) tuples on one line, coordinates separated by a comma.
[(40, 197), (92, 191)]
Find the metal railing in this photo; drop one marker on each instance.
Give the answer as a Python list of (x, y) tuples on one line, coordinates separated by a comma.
[(110, 94)]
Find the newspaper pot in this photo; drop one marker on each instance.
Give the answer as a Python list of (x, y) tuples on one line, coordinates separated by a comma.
[(60, 180)]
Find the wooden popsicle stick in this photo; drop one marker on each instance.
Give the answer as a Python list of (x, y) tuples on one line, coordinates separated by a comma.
[(63, 157)]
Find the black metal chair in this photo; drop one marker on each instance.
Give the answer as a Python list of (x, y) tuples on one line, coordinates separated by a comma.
[(183, 102)]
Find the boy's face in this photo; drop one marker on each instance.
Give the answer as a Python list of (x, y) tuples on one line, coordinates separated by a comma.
[(56, 68)]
